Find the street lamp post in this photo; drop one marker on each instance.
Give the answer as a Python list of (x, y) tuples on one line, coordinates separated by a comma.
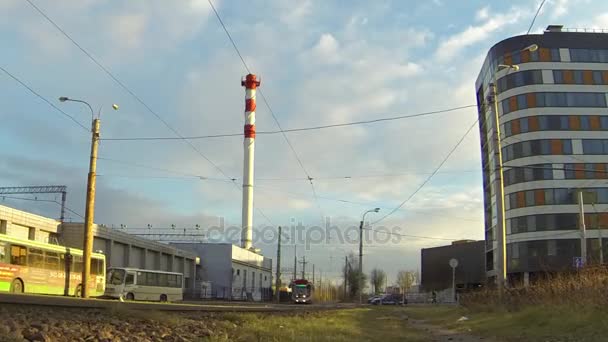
[(89, 215), (501, 275), (375, 210)]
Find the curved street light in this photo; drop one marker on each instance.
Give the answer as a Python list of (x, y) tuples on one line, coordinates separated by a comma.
[(500, 215), (89, 216), (375, 210)]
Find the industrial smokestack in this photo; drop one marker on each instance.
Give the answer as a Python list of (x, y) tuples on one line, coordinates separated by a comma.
[(250, 83)]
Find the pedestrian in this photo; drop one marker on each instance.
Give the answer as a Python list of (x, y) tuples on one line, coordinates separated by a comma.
[(434, 297)]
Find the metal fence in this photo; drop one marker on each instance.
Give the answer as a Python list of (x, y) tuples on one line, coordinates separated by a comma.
[(255, 294)]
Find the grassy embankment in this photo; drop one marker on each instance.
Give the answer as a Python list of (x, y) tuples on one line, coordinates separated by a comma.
[(571, 307), (363, 324)]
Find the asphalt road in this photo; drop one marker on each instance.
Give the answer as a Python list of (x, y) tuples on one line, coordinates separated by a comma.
[(28, 299)]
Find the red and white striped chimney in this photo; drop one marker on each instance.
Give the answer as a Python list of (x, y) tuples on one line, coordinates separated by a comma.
[(250, 83)]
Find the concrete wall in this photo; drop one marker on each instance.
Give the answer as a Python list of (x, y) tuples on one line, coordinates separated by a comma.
[(24, 225)]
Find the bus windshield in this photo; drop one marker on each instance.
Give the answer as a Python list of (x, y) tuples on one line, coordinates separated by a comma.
[(115, 276)]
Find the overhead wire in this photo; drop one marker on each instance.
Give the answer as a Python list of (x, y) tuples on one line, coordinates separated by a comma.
[(299, 160), (535, 15), (300, 129), (41, 200), (428, 179), (133, 95), (43, 98)]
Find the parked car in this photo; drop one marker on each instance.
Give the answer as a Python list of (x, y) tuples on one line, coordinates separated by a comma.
[(386, 300), (372, 298)]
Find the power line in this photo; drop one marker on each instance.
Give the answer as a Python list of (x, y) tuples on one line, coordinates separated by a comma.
[(274, 117), (42, 200), (301, 129), (534, 19), (43, 98), (137, 98), (412, 236), (431, 175), (124, 87)]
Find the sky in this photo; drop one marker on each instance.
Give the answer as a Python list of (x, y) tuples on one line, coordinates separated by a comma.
[(320, 63)]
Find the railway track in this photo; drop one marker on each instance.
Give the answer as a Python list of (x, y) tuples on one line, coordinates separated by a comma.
[(71, 302)]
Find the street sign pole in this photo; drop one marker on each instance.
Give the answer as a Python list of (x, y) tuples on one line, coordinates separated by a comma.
[(453, 265)]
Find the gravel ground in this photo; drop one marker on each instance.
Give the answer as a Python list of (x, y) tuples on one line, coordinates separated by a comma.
[(34, 323)]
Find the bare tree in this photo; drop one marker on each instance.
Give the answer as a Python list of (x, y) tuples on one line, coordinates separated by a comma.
[(405, 280), (377, 279), (353, 274)]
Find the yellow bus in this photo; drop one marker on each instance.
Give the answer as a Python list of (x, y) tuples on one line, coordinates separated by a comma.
[(35, 267)]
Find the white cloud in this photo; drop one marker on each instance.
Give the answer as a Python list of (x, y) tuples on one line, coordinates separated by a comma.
[(294, 12), (483, 13), (474, 34), (128, 30), (600, 21), (326, 49), (559, 8)]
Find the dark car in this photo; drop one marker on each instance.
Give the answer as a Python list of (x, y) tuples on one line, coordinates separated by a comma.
[(387, 300)]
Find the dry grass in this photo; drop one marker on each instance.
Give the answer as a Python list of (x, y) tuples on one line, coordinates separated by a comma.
[(587, 289)]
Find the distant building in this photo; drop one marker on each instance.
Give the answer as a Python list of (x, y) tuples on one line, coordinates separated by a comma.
[(553, 117), (231, 272), (436, 273)]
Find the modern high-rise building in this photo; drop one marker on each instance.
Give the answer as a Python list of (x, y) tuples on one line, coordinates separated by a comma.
[(552, 94)]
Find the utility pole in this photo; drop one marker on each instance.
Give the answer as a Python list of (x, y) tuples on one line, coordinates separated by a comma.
[(313, 273), (581, 215), (599, 232), (277, 283), (361, 262), (501, 232), (295, 262), (345, 275), (89, 215), (304, 262)]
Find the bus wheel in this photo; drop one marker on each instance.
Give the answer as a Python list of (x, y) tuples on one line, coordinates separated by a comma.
[(17, 286), (130, 296), (163, 298), (78, 291)]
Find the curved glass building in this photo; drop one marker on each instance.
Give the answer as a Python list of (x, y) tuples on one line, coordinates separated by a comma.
[(553, 119)]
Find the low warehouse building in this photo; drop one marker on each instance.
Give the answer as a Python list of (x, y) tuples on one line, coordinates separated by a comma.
[(126, 250)]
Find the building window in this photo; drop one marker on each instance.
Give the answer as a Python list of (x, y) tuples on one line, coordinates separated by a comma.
[(555, 56), (554, 99), (569, 171), (597, 77), (589, 55), (523, 125), (595, 146), (558, 76), (238, 272), (519, 79), (530, 198), (578, 76)]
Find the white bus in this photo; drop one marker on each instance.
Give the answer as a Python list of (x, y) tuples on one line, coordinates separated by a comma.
[(139, 284)]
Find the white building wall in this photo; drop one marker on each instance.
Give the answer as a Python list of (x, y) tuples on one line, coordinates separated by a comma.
[(24, 225)]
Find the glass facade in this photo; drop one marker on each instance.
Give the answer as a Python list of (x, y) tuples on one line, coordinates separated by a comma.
[(555, 123), (579, 95), (553, 99)]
